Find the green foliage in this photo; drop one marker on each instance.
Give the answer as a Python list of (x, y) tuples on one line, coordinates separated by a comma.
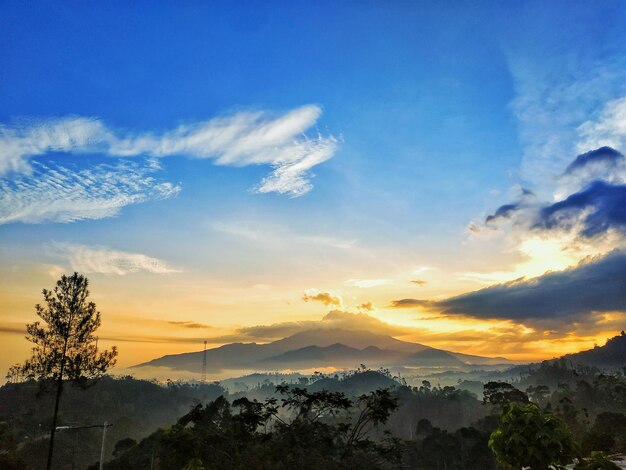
[(9, 459), (308, 430), (501, 393), (136, 408), (597, 461), (608, 433), (435, 427), (435, 449), (538, 393), (529, 437), (123, 445)]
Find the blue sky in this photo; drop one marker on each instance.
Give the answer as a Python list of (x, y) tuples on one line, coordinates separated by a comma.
[(413, 121)]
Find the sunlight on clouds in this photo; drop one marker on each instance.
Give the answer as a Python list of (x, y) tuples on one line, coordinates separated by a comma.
[(327, 298), (541, 255), (544, 253)]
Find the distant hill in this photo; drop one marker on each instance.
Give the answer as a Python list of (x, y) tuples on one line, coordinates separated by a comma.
[(358, 339), (320, 348), (610, 356), (433, 357), (355, 384), (337, 355)]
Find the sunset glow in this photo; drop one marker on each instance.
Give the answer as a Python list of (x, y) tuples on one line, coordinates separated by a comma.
[(242, 175)]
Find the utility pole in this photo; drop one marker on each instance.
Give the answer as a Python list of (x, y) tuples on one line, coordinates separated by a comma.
[(104, 435), (203, 379)]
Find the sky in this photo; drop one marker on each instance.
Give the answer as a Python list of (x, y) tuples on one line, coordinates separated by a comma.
[(450, 173)]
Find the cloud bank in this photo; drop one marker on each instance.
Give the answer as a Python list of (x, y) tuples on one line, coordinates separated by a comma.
[(580, 294), (597, 285), (242, 139)]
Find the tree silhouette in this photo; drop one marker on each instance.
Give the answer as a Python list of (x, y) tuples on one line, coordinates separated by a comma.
[(65, 348)]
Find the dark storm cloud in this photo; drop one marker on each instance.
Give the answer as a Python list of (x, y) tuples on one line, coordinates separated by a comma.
[(410, 303), (602, 206), (503, 212), (598, 285), (593, 199), (604, 156)]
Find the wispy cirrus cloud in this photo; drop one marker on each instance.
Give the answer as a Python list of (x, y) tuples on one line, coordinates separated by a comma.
[(274, 236), (242, 139), (105, 260), (51, 193), (29, 138)]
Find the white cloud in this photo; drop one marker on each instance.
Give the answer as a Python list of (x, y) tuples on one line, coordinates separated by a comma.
[(367, 283), (58, 194), (28, 139), (418, 270), (104, 260), (609, 129), (243, 139)]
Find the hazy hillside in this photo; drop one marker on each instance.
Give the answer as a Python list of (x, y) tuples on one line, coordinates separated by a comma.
[(610, 356)]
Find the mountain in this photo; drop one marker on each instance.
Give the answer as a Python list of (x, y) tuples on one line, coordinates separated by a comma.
[(357, 339), (335, 355), (319, 348), (234, 355), (481, 360)]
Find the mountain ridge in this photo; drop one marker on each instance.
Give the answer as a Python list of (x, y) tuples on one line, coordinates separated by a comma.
[(318, 348)]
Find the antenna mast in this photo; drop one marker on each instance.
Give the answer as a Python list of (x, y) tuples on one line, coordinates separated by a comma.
[(203, 380)]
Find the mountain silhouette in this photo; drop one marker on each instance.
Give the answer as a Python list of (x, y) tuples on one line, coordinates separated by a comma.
[(318, 348)]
